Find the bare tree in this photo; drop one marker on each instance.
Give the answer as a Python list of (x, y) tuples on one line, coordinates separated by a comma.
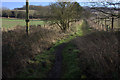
[(16, 13), (63, 13)]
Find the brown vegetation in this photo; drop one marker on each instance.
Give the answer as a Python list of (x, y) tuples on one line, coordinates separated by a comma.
[(18, 49), (99, 54)]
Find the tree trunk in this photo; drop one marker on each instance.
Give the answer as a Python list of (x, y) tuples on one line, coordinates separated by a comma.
[(105, 21), (16, 15), (8, 16), (105, 24), (98, 21)]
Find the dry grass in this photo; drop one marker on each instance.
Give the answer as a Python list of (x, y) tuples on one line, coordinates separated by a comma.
[(18, 48), (99, 55)]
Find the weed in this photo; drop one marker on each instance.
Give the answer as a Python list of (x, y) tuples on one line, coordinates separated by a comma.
[(39, 66), (70, 62)]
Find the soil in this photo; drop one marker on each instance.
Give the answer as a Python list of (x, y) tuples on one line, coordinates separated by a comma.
[(57, 68)]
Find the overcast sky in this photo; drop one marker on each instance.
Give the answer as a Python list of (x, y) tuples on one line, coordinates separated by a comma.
[(12, 5), (18, 4)]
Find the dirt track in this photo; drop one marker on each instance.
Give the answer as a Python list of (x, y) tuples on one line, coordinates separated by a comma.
[(57, 68)]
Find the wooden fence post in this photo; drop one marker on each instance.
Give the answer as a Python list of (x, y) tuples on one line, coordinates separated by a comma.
[(27, 17), (112, 23)]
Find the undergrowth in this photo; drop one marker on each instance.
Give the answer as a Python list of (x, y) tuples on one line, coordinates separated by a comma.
[(70, 54), (39, 66), (71, 67), (81, 29)]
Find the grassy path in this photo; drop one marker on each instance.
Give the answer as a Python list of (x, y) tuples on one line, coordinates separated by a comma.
[(56, 70), (66, 61), (60, 61)]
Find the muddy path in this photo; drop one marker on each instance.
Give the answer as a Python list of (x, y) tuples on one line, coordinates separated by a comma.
[(57, 68)]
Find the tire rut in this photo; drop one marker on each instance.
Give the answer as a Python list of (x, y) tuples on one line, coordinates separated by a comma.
[(57, 68)]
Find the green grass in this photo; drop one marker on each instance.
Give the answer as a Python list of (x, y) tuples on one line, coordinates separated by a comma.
[(10, 23), (81, 29), (35, 69), (70, 54), (70, 62), (70, 66), (40, 66)]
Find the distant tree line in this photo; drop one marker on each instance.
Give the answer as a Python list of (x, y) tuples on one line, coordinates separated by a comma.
[(40, 11), (35, 12)]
